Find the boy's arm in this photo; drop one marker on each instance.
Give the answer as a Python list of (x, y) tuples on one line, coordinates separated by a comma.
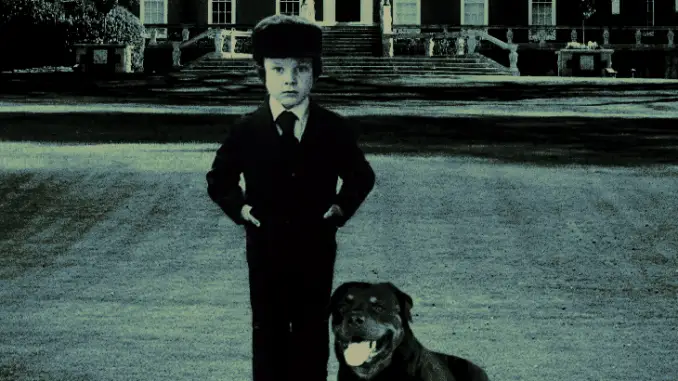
[(356, 173), (224, 177)]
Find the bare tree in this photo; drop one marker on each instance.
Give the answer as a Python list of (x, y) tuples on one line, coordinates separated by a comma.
[(587, 9)]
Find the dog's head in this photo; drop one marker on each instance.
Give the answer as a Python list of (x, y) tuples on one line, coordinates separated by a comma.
[(369, 322)]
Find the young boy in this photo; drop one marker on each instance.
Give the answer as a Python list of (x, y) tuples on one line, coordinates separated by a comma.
[(291, 152)]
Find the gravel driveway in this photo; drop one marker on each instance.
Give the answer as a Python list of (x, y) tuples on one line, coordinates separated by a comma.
[(115, 265)]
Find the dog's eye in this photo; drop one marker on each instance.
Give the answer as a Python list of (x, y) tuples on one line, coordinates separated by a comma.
[(378, 307)]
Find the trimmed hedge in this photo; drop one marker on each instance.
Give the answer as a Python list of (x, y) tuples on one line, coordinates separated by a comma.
[(33, 33), (88, 24), (122, 26), (42, 32)]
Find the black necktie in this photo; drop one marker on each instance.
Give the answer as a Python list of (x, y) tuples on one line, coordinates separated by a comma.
[(286, 122)]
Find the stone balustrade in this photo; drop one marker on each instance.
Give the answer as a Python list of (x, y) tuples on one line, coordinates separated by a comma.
[(224, 41), (451, 41)]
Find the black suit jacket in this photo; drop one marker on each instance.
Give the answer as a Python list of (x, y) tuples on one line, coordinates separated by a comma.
[(328, 150)]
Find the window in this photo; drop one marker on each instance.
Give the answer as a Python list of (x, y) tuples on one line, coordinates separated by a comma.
[(615, 7), (289, 7), (542, 12), (154, 12), (474, 12), (406, 12), (221, 11)]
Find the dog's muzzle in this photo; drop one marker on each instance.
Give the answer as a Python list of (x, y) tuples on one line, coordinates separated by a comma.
[(362, 340)]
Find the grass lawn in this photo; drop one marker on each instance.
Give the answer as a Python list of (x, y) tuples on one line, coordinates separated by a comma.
[(115, 264)]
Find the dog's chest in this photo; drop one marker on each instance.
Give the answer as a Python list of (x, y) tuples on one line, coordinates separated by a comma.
[(392, 373)]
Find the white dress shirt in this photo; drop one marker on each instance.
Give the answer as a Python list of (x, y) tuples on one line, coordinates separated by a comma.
[(300, 110)]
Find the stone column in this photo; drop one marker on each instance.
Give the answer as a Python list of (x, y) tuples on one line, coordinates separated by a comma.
[(430, 47), (154, 37), (125, 64), (387, 42), (460, 45), (472, 42), (308, 10), (232, 42), (176, 54), (639, 37), (329, 11), (513, 60), (366, 12), (670, 37), (386, 19), (142, 48), (606, 36), (218, 43)]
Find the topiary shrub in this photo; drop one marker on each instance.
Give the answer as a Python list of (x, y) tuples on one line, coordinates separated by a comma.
[(118, 26), (85, 24), (33, 33), (123, 27)]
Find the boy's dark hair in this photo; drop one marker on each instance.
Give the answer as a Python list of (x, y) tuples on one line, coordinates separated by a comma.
[(283, 36)]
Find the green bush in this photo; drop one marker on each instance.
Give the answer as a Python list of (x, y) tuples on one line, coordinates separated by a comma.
[(87, 24), (35, 12), (84, 24), (26, 24), (123, 27)]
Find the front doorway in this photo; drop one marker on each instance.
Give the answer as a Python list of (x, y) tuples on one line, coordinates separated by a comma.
[(348, 11)]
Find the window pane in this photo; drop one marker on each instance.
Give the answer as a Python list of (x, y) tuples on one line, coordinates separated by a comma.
[(154, 11), (405, 11), (474, 12), (542, 12), (289, 7), (222, 11)]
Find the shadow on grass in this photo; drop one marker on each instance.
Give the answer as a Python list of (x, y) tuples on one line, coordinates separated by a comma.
[(19, 371), (236, 89), (542, 141), (43, 218)]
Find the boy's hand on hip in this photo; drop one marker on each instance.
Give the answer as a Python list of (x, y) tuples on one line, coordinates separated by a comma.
[(335, 210), (245, 213)]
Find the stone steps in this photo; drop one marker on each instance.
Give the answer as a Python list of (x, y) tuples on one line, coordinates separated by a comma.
[(351, 41), (354, 51)]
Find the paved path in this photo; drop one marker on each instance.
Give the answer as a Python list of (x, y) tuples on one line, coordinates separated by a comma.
[(462, 96), (116, 266)]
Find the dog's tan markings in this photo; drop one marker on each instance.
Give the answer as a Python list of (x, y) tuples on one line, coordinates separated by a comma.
[(373, 299), (349, 297)]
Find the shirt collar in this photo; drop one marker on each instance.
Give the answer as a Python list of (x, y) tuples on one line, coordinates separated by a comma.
[(300, 110)]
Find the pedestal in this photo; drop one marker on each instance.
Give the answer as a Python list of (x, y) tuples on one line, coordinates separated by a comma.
[(584, 62)]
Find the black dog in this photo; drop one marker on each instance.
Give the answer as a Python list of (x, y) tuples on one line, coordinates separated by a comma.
[(374, 341)]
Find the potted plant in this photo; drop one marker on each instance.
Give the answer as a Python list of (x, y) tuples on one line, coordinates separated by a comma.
[(587, 9)]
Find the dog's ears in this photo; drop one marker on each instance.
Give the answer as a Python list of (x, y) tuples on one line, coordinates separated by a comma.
[(405, 302), (340, 293)]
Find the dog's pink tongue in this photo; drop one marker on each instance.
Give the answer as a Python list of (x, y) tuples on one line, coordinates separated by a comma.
[(357, 353)]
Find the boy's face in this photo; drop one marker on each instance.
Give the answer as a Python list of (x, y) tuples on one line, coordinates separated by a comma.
[(289, 80)]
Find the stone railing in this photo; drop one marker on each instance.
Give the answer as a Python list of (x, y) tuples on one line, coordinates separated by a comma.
[(631, 37), (512, 48), (217, 35), (409, 39)]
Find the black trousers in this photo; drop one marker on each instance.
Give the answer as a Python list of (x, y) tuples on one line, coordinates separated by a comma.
[(291, 270)]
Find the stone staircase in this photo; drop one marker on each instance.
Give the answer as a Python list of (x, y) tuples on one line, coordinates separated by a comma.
[(354, 51), (344, 40), (356, 67), (473, 64)]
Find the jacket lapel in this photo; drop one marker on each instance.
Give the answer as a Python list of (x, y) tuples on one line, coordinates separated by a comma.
[(266, 130), (262, 122), (313, 127)]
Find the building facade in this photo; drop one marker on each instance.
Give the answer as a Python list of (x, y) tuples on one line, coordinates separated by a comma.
[(639, 13)]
